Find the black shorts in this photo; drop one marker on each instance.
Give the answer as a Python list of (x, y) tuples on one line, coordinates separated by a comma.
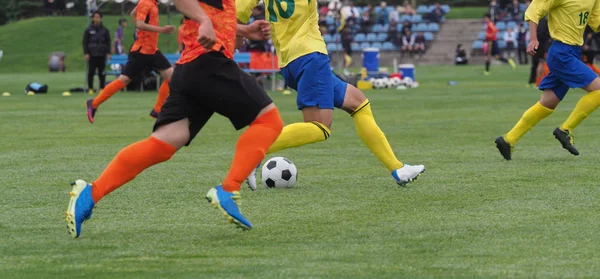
[(138, 62), (542, 50), (212, 83), (494, 48)]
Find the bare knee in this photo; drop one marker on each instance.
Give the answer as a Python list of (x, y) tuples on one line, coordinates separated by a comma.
[(124, 79), (353, 99), (549, 99), (176, 134), (323, 116), (167, 74), (593, 86)]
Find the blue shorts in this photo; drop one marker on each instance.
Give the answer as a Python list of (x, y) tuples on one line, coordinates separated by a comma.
[(566, 69), (316, 84)]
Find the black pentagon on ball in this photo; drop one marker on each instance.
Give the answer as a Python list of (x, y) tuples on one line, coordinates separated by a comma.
[(271, 165), (286, 175), (270, 183)]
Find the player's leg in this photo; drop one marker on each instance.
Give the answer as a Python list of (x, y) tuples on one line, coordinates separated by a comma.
[(354, 102), (102, 73), (488, 58), (91, 72), (162, 65), (498, 55), (237, 96)]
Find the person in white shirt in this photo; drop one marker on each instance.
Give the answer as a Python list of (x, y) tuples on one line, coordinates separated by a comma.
[(510, 37), (408, 42)]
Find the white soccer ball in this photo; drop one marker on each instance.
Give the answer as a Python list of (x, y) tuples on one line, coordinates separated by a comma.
[(407, 81), (415, 84), (114, 67), (279, 172), (378, 84), (395, 82)]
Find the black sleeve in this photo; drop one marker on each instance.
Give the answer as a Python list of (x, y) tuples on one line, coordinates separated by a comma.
[(108, 41), (86, 40)]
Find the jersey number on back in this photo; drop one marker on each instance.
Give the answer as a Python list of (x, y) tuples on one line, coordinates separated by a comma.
[(583, 17), (287, 13)]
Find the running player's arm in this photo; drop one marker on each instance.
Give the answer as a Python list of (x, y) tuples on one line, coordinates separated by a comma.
[(140, 13), (191, 9), (594, 20), (243, 10), (536, 11)]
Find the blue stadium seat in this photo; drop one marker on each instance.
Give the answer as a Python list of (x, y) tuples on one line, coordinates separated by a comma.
[(522, 7), (386, 27), (337, 38), (422, 9), (331, 47), (501, 25), (329, 20), (377, 28), (501, 44), (371, 37), (364, 45), (399, 26), (360, 37), (433, 27), (328, 38), (355, 47), (387, 46), (417, 18), (406, 17), (381, 37), (445, 8), (428, 36), (390, 8), (481, 35), (430, 8), (377, 9), (421, 27), (512, 24), (376, 45), (477, 45)]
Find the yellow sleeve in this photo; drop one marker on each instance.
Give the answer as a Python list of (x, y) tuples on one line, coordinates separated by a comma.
[(538, 9), (244, 9), (594, 20)]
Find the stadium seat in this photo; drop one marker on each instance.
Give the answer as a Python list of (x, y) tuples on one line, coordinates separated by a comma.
[(501, 44), (337, 38), (428, 36), (387, 46), (364, 45), (445, 8), (511, 24), (376, 45), (481, 35), (381, 37), (377, 9), (371, 37), (417, 18), (399, 26), (422, 9), (430, 8), (433, 27), (386, 27), (477, 45), (328, 38), (421, 27), (522, 7), (405, 18), (360, 37), (377, 28), (329, 21), (501, 26), (355, 47)]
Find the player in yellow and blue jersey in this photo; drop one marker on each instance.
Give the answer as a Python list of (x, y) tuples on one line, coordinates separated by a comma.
[(304, 63), (567, 20)]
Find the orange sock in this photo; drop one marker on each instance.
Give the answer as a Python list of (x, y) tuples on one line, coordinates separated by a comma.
[(130, 162), (594, 68), (538, 80), (252, 147), (107, 92), (163, 93)]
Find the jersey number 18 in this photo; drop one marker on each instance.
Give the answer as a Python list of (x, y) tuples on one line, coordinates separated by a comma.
[(583, 17)]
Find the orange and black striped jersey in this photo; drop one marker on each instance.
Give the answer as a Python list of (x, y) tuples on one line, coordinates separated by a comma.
[(147, 42)]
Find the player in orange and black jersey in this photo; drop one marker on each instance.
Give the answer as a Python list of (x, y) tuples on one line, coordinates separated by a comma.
[(493, 49), (205, 81), (144, 54)]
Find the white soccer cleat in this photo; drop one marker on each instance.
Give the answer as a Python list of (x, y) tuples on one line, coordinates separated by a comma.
[(407, 174), (251, 180)]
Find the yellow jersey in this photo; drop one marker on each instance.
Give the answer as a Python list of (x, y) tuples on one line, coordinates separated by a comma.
[(567, 19), (294, 26)]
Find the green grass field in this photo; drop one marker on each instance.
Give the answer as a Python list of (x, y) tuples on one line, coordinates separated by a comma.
[(472, 214)]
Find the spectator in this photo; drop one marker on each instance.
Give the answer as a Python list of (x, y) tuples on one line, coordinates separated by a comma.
[(461, 56), (408, 42), (383, 15), (118, 45), (406, 26), (510, 37), (394, 16), (522, 44), (407, 9), (49, 7), (419, 46), (513, 10), (323, 10), (96, 47), (351, 13), (333, 7), (392, 35), (437, 14), (368, 18), (494, 11)]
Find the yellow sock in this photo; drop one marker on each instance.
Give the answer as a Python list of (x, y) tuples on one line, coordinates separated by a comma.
[(373, 137), (531, 117), (298, 134), (586, 105)]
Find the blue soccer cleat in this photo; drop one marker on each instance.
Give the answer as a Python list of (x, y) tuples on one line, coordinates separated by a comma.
[(228, 204), (80, 207), (407, 174)]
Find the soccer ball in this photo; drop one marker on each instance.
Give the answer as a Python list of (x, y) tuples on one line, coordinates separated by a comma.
[(386, 82), (407, 81), (115, 67), (279, 172), (395, 82), (378, 84)]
